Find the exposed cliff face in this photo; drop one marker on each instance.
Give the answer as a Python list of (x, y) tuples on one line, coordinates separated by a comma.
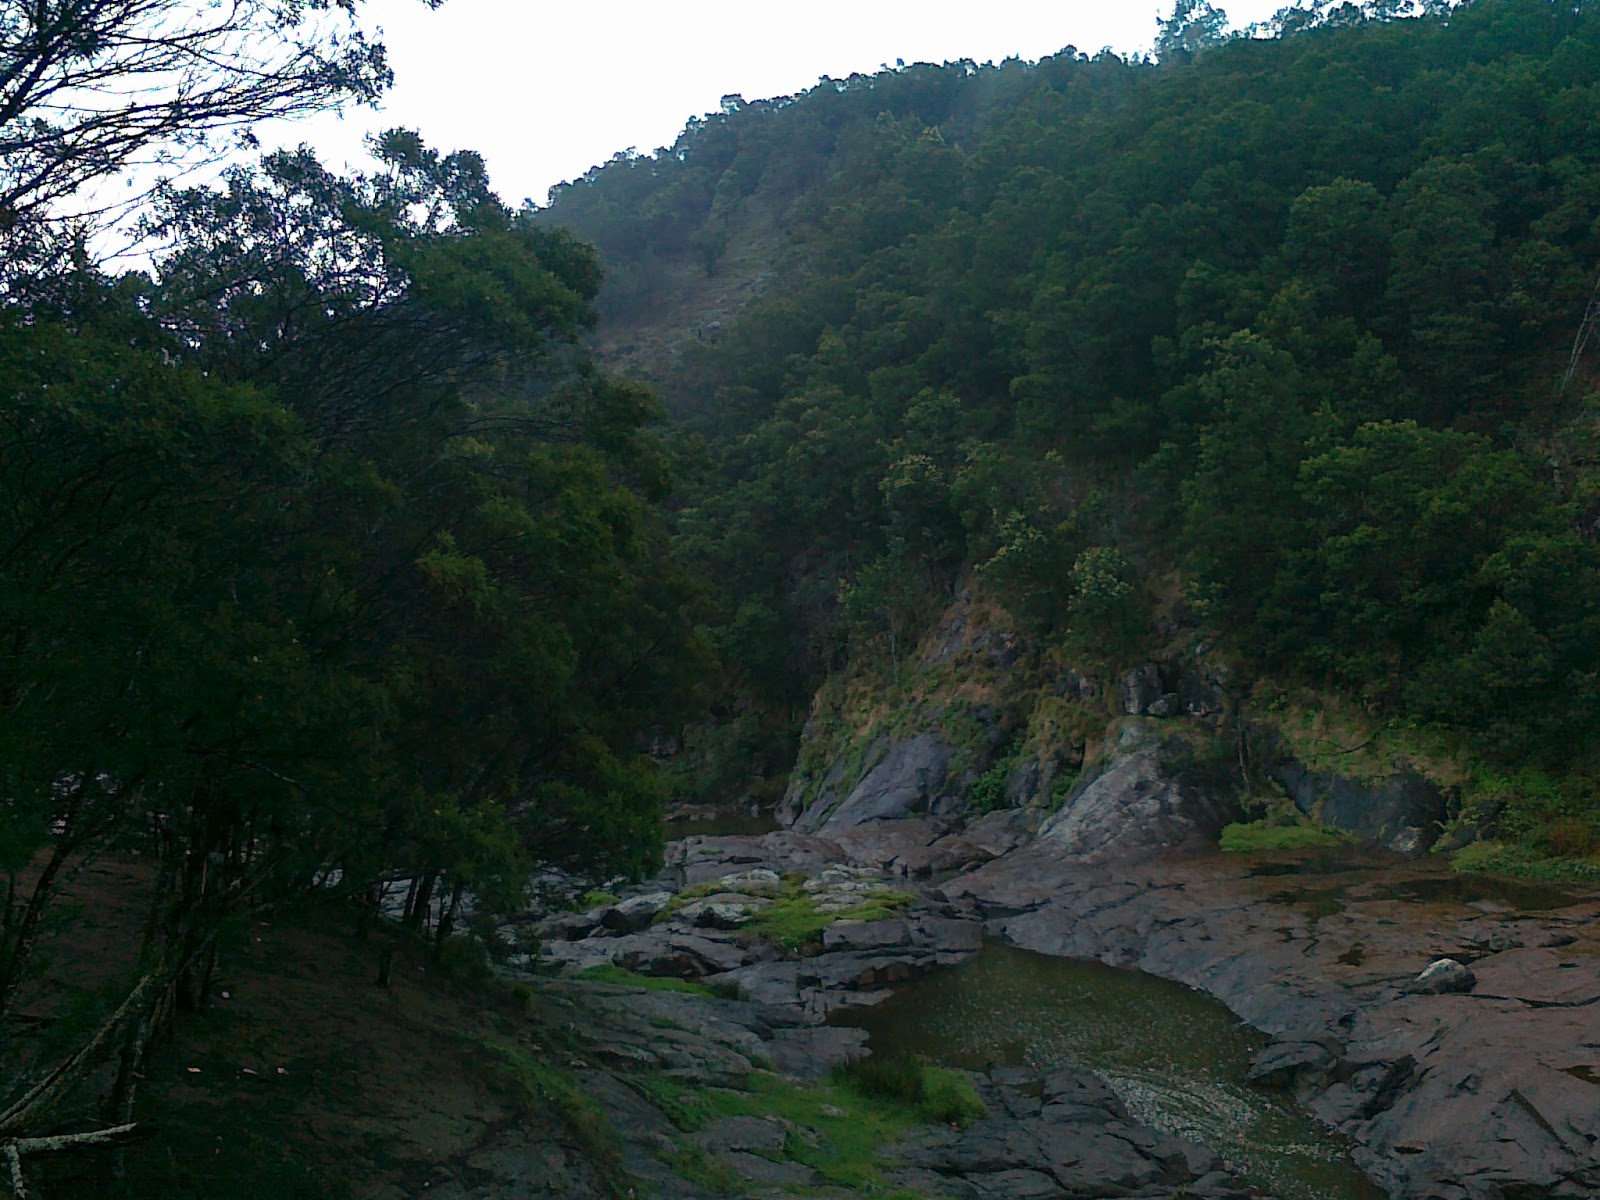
[(1108, 763), (1136, 799)]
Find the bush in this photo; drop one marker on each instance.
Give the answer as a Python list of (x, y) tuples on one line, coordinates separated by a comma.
[(1500, 858), (989, 793), (936, 1094), (948, 1098)]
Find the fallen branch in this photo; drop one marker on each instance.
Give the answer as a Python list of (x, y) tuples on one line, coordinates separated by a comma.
[(18, 1148)]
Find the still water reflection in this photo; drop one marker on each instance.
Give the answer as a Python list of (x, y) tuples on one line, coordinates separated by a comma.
[(1176, 1058)]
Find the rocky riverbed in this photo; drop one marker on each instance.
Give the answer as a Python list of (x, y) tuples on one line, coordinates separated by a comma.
[(731, 1093), (1487, 1093)]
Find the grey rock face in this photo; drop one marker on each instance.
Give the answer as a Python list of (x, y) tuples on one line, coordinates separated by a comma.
[(1286, 1064), (635, 913), (1064, 1135), (1141, 687), (903, 782), (1137, 804), (1401, 813)]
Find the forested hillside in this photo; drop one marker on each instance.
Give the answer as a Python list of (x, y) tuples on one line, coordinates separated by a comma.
[(1272, 344), (328, 559)]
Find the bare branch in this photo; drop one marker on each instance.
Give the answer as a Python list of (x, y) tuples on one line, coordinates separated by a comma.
[(91, 88)]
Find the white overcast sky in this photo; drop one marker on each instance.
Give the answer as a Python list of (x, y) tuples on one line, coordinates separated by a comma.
[(545, 91)]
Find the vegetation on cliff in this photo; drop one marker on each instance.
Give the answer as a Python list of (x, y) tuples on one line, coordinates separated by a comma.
[(1278, 340)]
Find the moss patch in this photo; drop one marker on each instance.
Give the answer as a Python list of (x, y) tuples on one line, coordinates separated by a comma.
[(795, 920), (837, 1127), (1256, 837), (1500, 858)]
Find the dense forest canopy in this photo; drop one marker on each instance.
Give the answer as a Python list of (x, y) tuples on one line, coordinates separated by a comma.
[(330, 558), (1270, 334)]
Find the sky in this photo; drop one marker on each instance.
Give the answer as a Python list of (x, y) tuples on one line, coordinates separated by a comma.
[(545, 91)]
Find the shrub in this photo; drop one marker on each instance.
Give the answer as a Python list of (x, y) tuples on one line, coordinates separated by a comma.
[(936, 1094)]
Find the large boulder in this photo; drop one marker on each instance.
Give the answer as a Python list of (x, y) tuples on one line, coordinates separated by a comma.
[(904, 781), (1138, 801), (1402, 812)]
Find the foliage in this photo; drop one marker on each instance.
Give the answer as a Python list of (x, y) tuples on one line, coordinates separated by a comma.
[(1081, 327), (939, 1095), (1500, 858), (91, 87), (332, 559), (840, 1126), (988, 794), (795, 920), (1254, 837)]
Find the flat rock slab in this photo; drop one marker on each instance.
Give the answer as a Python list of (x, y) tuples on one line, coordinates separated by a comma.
[(1448, 1097), (1065, 1136)]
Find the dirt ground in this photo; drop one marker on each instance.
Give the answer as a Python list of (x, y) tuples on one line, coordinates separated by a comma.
[(303, 1077)]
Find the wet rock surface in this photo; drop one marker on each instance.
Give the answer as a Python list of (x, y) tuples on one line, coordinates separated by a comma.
[(1449, 1028), (1136, 802), (1451, 1096), (1062, 1135)]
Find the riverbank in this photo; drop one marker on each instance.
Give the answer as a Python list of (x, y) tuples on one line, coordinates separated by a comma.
[(1486, 1094)]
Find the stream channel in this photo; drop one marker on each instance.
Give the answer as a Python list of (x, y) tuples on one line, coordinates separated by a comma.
[(1176, 1058)]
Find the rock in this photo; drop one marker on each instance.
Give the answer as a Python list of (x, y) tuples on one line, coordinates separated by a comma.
[(903, 781), (866, 935), (1202, 689), (757, 882), (887, 843), (1141, 687), (812, 1051), (724, 910), (946, 934), (838, 888), (1441, 976), (567, 927), (1071, 685), (1065, 1136), (1136, 804), (680, 956), (1402, 812), (635, 913), (1166, 706), (1285, 1064), (758, 1134)]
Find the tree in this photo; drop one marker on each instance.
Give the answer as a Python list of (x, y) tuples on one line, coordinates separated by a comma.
[(331, 557), (89, 88), (1194, 27)]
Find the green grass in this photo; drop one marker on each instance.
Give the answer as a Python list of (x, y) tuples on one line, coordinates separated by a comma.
[(1501, 858), (596, 899), (1255, 837), (695, 1163), (936, 1094), (623, 977), (794, 919), (837, 1127)]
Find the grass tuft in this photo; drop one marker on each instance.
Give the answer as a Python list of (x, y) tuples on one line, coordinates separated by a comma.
[(1501, 858), (1255, 837)]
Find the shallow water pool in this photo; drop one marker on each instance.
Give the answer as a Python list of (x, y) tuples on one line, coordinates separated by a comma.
[(1176, 1058)]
